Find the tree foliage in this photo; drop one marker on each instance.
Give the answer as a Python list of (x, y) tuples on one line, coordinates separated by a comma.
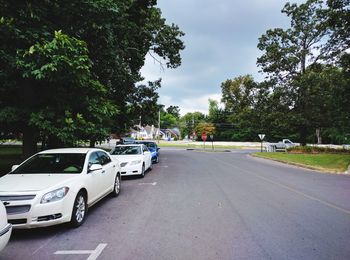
[(98, 54), (189, 122)]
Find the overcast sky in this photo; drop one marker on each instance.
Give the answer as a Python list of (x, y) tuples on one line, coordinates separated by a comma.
[(221, 39)]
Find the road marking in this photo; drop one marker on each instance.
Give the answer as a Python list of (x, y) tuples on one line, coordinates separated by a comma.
[(290, 189), (148, 183), (162, 166), (45, 244), (93, 253)]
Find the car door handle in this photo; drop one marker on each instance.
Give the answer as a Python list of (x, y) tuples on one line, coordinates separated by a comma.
[(113, 166), (103, 171)]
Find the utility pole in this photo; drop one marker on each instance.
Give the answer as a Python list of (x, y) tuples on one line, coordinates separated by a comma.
[(192, 130), (158, 125)]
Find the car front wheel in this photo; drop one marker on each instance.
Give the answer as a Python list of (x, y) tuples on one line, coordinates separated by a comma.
[(79, 210), (117, 186), (142, 171)]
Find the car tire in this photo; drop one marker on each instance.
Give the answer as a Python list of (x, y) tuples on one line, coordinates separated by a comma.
[(116, 186), (79, 210), (142, 171)]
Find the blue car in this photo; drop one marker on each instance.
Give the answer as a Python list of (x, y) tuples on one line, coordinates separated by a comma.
[(153, 148)]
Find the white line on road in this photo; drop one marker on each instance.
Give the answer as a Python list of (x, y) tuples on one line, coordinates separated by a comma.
[(162, 166), (93, 253), (148, 183)]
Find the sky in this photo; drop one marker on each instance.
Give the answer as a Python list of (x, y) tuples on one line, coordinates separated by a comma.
[(221, 38)]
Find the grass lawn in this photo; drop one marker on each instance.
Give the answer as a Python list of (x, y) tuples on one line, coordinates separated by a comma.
[(9, 155), (323, 162), (201, 146)]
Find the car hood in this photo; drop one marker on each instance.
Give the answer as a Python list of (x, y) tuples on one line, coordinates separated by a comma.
[(33, 182), (127, 158)]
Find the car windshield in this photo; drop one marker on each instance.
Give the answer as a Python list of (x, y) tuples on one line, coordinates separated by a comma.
[(53, 163), (121, 150)]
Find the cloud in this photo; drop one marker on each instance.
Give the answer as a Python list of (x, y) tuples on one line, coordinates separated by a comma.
[(186, 105), (221, 43)]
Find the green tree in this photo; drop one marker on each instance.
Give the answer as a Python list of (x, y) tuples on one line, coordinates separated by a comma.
[(63, 65), (174, 110), (339, 24), (167, 120), (189, 122), (288, 53), (118, 35), (239, 98), (143, 103)]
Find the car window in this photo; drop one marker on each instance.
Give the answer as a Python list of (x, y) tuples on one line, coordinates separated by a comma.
[(151, 145), (53, 163), (144, 147), (94, 159), (104, 158), (126, 150)]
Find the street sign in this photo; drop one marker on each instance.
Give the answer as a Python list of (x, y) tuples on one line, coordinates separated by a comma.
[(204, 136), (261, 136)]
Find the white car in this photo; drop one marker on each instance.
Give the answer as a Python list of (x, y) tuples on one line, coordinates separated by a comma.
[(134, 159), (5, 228), (57, 186)]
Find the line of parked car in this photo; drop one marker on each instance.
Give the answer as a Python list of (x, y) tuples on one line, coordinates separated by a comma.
[(58, 186)]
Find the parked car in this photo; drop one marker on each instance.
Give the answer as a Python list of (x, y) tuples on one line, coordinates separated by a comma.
[(153, 148), (5, 227), (126, 140), (280, 146), (134, 159), (57, 186)]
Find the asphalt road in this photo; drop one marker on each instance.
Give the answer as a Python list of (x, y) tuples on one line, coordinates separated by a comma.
[(199, 205)]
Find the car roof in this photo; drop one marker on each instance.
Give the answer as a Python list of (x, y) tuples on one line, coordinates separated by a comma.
[(138, 145), (71, 150)]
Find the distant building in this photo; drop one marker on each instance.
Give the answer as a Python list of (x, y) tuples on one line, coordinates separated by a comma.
[(151, 133)]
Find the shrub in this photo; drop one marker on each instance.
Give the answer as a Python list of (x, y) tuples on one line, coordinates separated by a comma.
[(316, 149)]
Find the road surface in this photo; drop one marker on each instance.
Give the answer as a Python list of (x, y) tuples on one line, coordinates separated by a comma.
[(201, 205)]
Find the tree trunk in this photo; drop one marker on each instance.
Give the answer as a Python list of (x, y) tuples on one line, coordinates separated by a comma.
[(303, 135), (92, 143), (53, 142), (30, 139), (319, 137)]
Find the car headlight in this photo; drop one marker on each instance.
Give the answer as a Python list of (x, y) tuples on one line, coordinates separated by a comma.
[(54, 195), (123, 164), (135, 162)]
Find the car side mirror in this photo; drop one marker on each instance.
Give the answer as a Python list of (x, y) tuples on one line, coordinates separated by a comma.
[(95, 167), (14, 167), (158, 148)]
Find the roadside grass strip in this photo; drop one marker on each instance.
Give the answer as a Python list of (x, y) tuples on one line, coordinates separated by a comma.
[(336, 163)]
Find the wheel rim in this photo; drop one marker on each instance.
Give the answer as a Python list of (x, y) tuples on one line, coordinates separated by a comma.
[(117, 185), (80, 209)]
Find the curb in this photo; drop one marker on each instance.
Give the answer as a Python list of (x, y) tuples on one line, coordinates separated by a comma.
[(348, 171)]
